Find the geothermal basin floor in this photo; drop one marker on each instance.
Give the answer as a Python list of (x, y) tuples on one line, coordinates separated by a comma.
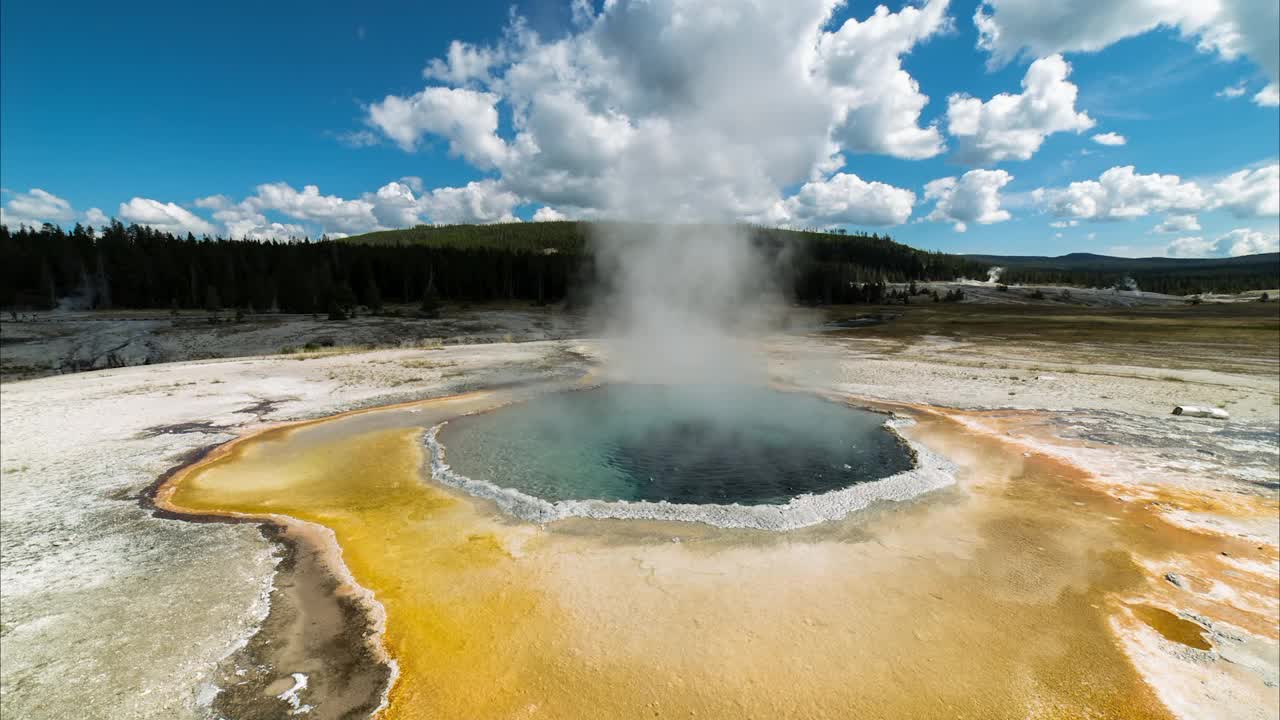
[(876, 615)]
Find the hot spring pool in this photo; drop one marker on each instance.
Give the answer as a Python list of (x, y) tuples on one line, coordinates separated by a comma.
[(689, 445)]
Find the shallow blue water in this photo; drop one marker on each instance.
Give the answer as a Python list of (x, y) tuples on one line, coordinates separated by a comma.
[(684, 444)]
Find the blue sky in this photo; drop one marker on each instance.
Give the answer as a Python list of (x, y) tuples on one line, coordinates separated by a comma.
[(139, 110)]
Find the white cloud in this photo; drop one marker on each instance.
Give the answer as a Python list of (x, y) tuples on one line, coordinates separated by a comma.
[(1064, 223), (243, 222), (1231, 28), (467, 118), (677, 109), (330, 212), (548, 214), (395, 206), (464, 63), (878, 103), (1250, 193), (165, 217), (1122, 194), (1012, 127), (1241, 241), (34, 208), (95, 217), (258, 227), (483, 201), (1232, 91), (214, 202), (1109, 138), (845, 199), (973, 198), (1190, 247), (1178, 223)]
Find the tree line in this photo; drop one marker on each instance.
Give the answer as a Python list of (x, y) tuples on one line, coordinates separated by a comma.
[(133, 266), (1186, 280)]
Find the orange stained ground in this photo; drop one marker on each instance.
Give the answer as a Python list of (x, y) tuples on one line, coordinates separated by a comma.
[(988, 600)]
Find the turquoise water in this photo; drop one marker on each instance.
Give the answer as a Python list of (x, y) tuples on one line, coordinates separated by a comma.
[(683, 444)]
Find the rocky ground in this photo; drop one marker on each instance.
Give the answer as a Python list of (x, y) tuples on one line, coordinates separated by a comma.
[(39, 344), (52, 343), (109, 612)]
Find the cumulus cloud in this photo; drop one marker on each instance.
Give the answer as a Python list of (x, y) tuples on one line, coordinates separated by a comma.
[(1241, 241), (1251, 193), (165, 217), (464, 63), (1230, 28), (243, 222), (845, 199), (255, 226), (94, 216), (1121, 193), (331, 212), (1178, 223), (1012, 28), (1012, 127), (394, 205), (397, 204), (482, 201), (548, 214), (266, 214), (1190, 247), (466, 118), (1109, 138), (973, 198), (878, 102), (34, 208), (728, 103), (214, 202)]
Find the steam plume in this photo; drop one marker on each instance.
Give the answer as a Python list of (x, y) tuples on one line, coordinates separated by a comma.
[(682, 302)]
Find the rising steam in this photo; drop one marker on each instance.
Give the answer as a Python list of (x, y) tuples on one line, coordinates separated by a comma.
[(680, 303)]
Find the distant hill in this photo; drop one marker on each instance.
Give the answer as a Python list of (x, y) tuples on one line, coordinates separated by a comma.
[(1092, 261), (512, 237), (827, 263), (1178, 276), (819, 267)]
